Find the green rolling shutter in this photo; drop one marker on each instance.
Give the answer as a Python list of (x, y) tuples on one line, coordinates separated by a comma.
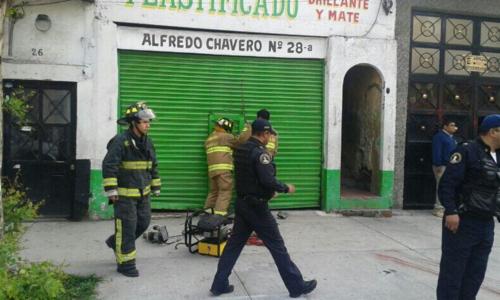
[(185, 89)]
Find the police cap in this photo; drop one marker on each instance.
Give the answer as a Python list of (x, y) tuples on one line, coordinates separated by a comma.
[(261, 125), (489, 122)]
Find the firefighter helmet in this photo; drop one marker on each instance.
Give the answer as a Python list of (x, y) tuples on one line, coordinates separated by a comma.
[(136, 112), (225, 124)]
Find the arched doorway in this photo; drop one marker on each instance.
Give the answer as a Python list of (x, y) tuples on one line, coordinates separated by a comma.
[(361, 133)]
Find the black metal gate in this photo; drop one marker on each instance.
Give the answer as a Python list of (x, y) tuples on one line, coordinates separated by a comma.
[(454, 72), (42, 151)]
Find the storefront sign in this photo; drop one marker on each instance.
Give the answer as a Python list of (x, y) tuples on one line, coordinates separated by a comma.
[(293, 17), (333, 10), (476, 63), (164, 40)]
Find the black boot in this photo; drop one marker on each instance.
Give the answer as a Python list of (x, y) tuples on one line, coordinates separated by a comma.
[(128, 270), (229, 289), (309, 286), (110, 242)]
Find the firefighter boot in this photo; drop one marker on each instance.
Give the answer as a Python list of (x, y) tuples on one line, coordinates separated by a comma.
[(110, 242), (128, 270)]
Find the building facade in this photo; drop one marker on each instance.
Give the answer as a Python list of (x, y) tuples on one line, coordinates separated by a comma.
[(448, 64), (326, 69)]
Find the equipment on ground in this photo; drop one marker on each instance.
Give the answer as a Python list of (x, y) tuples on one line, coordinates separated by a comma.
[(206, 233), (158, 235)]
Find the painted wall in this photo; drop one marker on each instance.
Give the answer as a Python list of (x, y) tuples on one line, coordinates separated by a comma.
[(380, 54), (82, 44), (403, 22), (63, 53), (66, 52)]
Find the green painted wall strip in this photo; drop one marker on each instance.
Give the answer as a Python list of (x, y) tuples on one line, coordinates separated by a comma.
[(387, 186), (331, 190), (332, 199), (98, 208)]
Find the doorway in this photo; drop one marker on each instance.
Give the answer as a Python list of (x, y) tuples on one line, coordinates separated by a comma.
[(42, 150), (361, 133), (454, 75)]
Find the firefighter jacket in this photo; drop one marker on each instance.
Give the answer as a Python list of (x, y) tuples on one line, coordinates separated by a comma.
[(219, 150), (245, 133), (272, 145), (130, 166)]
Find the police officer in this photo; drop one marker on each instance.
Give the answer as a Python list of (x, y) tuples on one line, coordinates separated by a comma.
[(255, 186), (218, 147), (443, 144), (469, 192), (130, 176)]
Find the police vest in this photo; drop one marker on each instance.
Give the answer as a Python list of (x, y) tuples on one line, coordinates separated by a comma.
[(481, 194), (246, 157)]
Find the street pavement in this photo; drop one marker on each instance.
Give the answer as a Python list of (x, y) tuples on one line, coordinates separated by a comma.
[(351, 257)]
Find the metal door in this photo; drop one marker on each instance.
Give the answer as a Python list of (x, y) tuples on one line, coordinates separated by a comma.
[(185, 89), (443, 83), (42, 151)]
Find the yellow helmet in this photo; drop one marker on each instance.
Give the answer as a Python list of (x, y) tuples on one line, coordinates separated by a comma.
[(136, 112)]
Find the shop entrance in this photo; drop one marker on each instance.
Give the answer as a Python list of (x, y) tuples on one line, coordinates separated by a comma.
[(361, 124), (186, 90)]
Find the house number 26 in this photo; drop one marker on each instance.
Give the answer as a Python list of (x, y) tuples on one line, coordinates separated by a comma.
[(36, 52)]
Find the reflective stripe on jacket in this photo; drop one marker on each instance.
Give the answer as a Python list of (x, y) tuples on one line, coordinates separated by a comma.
[(128, 169), (272, 145), (218, 147)]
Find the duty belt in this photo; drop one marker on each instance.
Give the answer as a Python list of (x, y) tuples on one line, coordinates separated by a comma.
[(251, 199)]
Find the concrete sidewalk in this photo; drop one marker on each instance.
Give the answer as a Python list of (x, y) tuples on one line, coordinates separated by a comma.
[(351, 257)]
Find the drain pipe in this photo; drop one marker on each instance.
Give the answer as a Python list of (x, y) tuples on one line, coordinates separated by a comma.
[(14, 14)]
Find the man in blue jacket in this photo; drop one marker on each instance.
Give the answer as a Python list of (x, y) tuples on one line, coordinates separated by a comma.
[(443, 144)]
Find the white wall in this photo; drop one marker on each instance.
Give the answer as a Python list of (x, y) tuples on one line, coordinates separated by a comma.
[(81, 47), (63, 53), (343, 54)]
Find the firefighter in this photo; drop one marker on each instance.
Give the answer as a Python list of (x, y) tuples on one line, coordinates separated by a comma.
[(219, 148), (272, 144), (130, 177), (246, 133)]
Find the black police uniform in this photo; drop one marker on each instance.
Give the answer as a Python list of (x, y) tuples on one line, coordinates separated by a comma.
[(130, 170), (469, 188), (255, 186)]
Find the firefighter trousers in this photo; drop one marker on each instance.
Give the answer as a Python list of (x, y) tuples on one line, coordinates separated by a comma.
[(132, 218), (221, 188)]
